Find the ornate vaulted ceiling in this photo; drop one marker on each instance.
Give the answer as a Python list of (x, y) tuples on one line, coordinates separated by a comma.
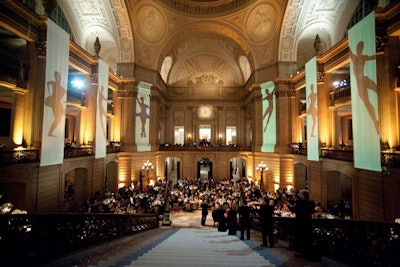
[(220, 41)]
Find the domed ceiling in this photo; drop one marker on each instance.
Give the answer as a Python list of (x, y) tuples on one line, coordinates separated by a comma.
[(222, 42)]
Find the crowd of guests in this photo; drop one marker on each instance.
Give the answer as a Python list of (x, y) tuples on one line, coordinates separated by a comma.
[(233, 204), (189, 195)]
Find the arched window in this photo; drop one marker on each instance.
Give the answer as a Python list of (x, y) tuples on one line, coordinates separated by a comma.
[(165, 68), (245, 67)]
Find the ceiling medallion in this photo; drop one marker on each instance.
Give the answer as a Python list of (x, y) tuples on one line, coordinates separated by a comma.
[(151, 25), (261, 22)]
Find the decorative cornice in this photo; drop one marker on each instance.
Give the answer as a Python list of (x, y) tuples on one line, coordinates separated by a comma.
[(289, 92), (320, 76), (206, 7), (127, 89)]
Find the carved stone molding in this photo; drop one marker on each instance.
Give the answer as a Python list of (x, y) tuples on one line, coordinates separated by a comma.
[(320, 76), (94, 74), (380, 43), (285, 93), (41, 48), (127, 89)]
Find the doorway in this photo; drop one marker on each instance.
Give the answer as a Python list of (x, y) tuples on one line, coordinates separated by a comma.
[(172, 169), (204, 168), (75, 189)]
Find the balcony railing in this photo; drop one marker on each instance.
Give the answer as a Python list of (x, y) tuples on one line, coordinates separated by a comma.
[(41, 238), (338, 154), (389, 158), (26, 155), (114, 147), (18, 156), (297, 148), (35, 239), (355, 243), (74, 152), (167, 147), (340, 95)]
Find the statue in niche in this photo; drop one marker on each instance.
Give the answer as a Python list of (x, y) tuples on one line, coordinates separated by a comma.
[(317, 45), (97, 47)]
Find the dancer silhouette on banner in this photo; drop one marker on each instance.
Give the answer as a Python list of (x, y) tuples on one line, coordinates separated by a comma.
[(268, 111), (102, 111), (363, 81), (143, 115), (312, 108), (54, 101)]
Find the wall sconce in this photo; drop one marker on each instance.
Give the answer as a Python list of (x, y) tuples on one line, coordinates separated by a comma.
[(147, 166), (262, 167)]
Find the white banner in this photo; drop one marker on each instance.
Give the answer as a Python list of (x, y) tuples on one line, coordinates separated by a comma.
[(364, 95), (55, 95), (269, 117), (312, 110), (101, 112), (143, 117)]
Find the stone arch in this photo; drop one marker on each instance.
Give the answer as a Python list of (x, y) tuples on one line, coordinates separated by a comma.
[(75, 189), (172, 169), (300, 176), (111, 177), (339, 187)]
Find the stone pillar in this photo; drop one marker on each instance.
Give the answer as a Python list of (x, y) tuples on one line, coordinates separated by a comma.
[(89, 114), (127, 95), (18, 117), (325, 118), (221, 125), (154, 127), (387, 64), (285, 102), (36, 83), (257, 123), (115, 120), (169, 125)]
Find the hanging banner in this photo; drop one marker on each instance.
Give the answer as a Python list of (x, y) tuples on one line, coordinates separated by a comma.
[(55, 95), (312, 110), (101, 112), (143, 117), (269, 117), (364, 97)]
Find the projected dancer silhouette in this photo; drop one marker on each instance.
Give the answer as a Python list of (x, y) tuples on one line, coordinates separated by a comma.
[(54, 101), (268, 111), (363, 81), (102, 111), (312, 108), (143, 115)]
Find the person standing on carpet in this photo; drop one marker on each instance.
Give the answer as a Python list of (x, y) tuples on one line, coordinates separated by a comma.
[(244, 220), (204, 212), (232, 219), (222, 217), (267, 223), (303, 208)]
